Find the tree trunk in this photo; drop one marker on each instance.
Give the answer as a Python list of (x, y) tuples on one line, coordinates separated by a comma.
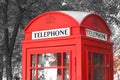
[(7, 56), (11, 47), (15, 31), (3, 13), (1, 64), (1, 53)]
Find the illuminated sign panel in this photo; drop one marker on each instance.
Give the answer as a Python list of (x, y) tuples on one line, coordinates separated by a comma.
[(96, 34), (61, 32)]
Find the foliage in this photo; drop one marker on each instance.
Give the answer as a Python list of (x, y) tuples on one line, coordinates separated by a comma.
[(28, 9)]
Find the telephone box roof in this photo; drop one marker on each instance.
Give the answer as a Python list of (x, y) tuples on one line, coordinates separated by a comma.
[(59, 19), (78, 16)]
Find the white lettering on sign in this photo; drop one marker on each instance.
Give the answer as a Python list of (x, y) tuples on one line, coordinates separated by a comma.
[(62, 32), (96, 34)]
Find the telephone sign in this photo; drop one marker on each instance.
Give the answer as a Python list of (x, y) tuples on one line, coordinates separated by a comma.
[(51, 33), (67, 45), (96, 34)]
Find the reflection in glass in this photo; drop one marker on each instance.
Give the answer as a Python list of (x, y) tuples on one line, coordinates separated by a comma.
[(33, 74), (98, 59), (89, 59), (66, 59), (41, 60), (99, 74), (47, 74), (89, 74), (51, 66), (59, 74), (33, 60), (59, 56), (66, 74), (49, 59)]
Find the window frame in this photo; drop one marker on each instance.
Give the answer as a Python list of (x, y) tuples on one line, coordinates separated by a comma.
[(70, 49), (92, 67)]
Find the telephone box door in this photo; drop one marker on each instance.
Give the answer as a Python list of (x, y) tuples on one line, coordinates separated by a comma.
[(98, 64), (51, 63)]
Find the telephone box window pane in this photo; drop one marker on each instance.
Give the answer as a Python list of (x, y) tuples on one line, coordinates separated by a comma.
[(99, 74), (59, 74), (49, 74), (89, 59), (33, 74), (49, 59), (59, 58), (41, 60), (66, 58), (89, 74), (66, 74), (33, 60), (98, 59)]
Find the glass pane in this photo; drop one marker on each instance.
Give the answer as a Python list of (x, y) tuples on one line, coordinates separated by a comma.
[(33, 60), (89, 74), (89, 59), (41, 60), (59, 74), (59, 59), (33, 74), (49, 74), (66, 58), (66, 74), (99, 74), (49, 59), (98, 59)]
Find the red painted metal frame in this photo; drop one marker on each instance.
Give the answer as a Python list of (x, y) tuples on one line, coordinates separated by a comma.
[(70, 49), (100, 47), (78, 44)]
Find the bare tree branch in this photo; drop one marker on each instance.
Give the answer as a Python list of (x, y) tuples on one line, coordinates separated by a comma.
[(31, 4)]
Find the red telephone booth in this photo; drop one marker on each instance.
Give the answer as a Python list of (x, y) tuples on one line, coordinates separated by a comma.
[(67, 45)]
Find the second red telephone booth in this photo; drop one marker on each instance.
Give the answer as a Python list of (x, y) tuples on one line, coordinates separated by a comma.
[(67, 45)]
